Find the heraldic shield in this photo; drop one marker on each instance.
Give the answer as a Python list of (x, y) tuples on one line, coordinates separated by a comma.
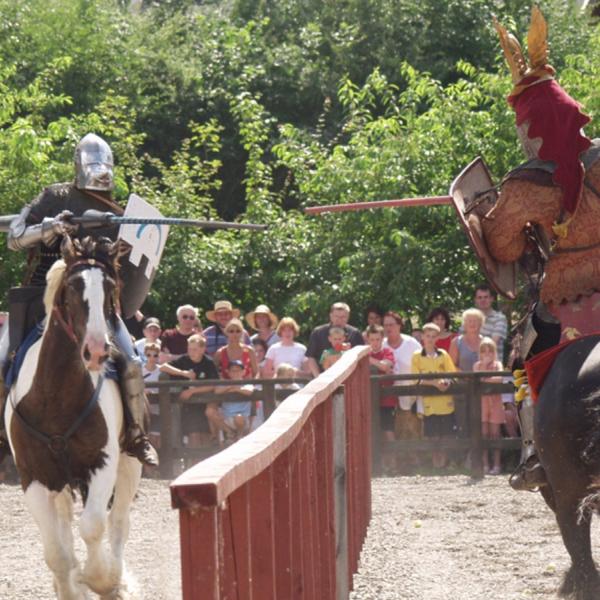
[(140, 265), (473, 195)]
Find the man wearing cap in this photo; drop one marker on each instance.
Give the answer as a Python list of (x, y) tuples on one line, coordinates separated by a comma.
[(319, 337), (220, 315), (174, 341), (152, 331), (264, 322)]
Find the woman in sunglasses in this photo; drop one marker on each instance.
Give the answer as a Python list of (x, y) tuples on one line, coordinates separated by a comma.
[(235, 349)]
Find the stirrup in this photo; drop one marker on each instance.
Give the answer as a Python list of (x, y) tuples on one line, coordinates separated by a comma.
[(528, 476), (141, 448)]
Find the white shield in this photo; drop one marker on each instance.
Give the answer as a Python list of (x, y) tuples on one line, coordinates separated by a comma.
[(141, 264)]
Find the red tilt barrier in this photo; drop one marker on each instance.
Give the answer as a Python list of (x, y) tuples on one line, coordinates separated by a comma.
[(283, 513)]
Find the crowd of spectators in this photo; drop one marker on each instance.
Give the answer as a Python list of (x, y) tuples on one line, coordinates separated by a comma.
[(225, 349), (266, 347)]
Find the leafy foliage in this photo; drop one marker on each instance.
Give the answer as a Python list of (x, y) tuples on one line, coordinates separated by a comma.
[(253, 110)]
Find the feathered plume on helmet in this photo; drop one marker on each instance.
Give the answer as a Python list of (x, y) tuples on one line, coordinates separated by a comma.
[(552, 115), (538, 69)]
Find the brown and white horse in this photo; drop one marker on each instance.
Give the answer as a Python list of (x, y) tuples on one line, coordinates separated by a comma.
[(65, 420)]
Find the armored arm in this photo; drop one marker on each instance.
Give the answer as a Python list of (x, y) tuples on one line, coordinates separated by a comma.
[(22, 235)]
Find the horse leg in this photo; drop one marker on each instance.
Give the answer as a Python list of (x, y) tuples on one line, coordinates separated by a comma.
[(128, 479), (581, 581), (99, 572), (58, 547)]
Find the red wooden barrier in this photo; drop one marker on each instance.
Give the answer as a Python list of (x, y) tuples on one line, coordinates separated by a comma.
[(283, 513)]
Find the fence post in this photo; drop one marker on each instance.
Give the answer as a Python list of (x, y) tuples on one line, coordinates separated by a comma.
[(474, 406), (268, 398), (376, 437), (339, 497), (166, 430)]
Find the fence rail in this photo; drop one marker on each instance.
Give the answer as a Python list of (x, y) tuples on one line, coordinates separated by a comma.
[(283, 512), (469, 386)]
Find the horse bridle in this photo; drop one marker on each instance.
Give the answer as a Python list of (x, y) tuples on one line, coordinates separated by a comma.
[(57, 315)]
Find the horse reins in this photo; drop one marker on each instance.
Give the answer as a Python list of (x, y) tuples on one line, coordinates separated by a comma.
[(57, 443)]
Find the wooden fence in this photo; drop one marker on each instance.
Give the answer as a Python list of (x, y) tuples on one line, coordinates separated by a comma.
[(172, 448), (470, 387), (284, 511)]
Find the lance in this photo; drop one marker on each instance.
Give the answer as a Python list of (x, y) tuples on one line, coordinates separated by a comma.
[(424, 201), (96, 218)]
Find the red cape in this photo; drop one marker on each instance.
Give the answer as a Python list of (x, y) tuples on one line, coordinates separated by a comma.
[(557, 119)]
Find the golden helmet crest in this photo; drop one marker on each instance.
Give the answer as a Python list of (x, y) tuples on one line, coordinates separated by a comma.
[(537, 48)]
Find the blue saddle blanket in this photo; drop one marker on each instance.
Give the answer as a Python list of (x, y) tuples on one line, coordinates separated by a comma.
[(14, 366)]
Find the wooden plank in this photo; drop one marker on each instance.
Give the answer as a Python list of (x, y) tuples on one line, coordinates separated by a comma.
[(324, 482), (296, 521), (474, 407), (340, 497), (282, 500), (262, 535), (239, 508), (376, 433), (308, 532), (198, 525), (165, 451), (268, 398)]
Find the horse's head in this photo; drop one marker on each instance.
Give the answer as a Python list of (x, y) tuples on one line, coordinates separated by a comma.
[(85, 300)]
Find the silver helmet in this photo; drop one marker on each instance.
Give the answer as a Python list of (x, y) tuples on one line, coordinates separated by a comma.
[(93, 164)]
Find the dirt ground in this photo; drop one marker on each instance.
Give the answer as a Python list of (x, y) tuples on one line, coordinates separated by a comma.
[(431, 538), (152, 553), (447, 538)]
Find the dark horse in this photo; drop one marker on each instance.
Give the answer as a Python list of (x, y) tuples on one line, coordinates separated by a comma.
[(567, 437)]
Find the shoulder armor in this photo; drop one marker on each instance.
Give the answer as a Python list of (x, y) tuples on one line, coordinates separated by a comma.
[(18, 225)]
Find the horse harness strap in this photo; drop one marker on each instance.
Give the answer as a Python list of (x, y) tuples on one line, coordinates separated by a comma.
[(66, 325), (58, 443)]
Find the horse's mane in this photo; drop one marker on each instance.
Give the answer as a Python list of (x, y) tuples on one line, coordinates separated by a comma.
[(54, 278)]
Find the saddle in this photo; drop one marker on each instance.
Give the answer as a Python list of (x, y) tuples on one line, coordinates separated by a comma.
[(539, 172)]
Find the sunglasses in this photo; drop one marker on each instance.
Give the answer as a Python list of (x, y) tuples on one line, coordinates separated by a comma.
[(234, 331), (188, 317), (149, 354)]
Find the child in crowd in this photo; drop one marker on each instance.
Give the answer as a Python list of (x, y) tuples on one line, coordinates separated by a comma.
[(337, 339), (260, 349), (438, 410), (151, 372), (286, 371), (194, 365), (492, 408), (236, 415), (382, 363)]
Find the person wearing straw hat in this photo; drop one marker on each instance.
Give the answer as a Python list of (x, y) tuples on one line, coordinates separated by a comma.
[(264, 322), (220, 315)]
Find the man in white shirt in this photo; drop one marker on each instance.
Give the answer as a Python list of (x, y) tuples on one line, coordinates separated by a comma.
[(403, 346)]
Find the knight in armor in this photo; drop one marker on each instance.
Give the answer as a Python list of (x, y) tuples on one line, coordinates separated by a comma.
[(553, 203), (39, 230)]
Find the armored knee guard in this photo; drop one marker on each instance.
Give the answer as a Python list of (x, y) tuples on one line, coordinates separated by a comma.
[(134, 404), (530, 474), (526, 414)]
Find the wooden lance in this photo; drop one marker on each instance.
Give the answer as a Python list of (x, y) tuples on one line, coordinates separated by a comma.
[(404, 202)]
